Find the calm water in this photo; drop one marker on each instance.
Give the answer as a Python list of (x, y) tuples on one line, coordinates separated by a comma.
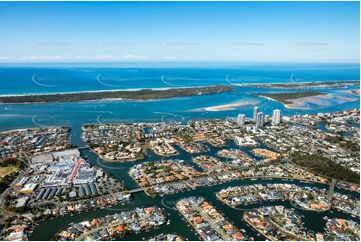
[(47, 229), (68, 78), (74, 78)]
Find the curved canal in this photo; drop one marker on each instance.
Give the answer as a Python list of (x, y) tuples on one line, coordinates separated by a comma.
[(47, 229)]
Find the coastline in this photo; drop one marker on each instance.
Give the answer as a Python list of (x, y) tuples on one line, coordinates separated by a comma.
[(227, 107), (141, 94), (302, 100), (352, 91), (100, 91), (288, 85), (284, 104)]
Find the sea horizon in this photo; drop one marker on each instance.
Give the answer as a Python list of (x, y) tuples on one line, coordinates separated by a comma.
[(169, 64), (73, 78)]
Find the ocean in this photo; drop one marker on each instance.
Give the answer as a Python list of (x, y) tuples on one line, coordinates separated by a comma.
[(25, 79), (55, 78), (80, 77)]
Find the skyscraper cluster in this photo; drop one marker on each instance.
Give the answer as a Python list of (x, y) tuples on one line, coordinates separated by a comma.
[(259, 118)]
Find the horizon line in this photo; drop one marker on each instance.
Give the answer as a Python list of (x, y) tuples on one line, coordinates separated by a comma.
[(175, 62)]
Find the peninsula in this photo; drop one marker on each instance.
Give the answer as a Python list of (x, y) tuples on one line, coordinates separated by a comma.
[(306, 85), (302, 100), (288, 97), (143, 94)]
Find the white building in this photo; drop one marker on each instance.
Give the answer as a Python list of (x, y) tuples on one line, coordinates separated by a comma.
[(241, 119), (255, 112), (276, 117), (266, 118), (260, 119)]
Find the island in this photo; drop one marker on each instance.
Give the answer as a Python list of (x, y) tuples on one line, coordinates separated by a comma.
[(303, 100), (143, 94), (287, 97), (306, 85)]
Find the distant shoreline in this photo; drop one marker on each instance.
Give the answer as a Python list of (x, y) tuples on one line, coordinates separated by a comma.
[(299, 100), (140, 94), (287, 97), (95, 91), (304, 85)]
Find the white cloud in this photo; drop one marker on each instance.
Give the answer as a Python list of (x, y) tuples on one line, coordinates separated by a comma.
[(41, 58), (4, 58), (134, 57), (100, 57), (109, 57), (104, 57), (169, 58)]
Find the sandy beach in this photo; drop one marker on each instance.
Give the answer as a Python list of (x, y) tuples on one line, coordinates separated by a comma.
[(319, 100), (229, 106), (353, 91)]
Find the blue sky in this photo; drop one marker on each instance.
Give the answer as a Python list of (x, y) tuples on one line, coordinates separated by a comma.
[(180, 31)]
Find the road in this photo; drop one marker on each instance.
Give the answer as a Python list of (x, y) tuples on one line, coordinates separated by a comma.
[(298, 237), (224, 236), (93, 230)]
